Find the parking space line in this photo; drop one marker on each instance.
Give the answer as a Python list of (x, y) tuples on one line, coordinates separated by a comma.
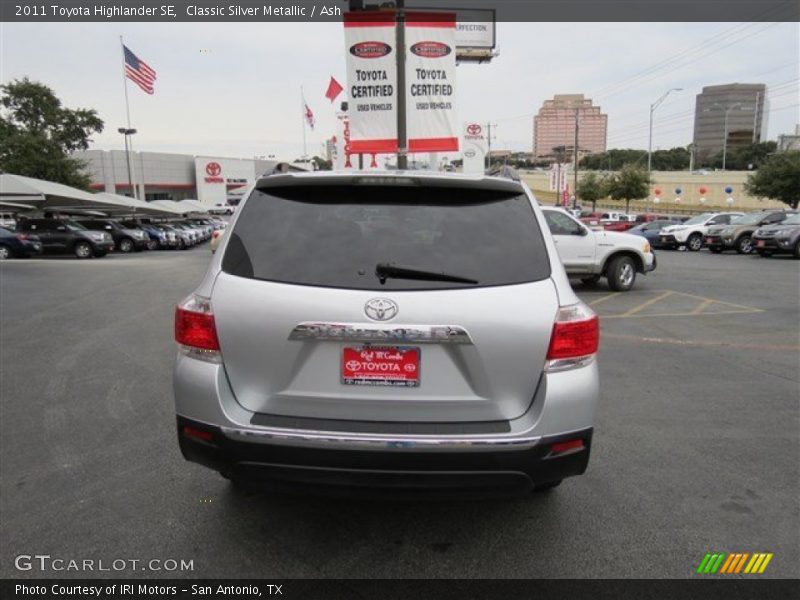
[(603, 299), (645, 304), (741, 306), (747, 346), (702, 306), (682, 314)]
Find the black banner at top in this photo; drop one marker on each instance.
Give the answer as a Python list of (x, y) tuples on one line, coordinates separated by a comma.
[(242, 11)]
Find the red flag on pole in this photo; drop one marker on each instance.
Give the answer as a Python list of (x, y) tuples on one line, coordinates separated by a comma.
[(334, 89)]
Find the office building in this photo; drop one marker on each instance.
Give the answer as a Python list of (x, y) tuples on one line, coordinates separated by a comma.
[(554, 128)]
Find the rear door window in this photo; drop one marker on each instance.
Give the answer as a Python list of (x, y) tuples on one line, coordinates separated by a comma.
[(335, 236)]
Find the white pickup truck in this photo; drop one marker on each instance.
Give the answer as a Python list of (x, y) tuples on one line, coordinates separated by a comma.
[(591, 255)]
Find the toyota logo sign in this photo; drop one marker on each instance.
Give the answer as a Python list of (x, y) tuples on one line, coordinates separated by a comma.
[(474, 129), (380, 309), (213, 169)]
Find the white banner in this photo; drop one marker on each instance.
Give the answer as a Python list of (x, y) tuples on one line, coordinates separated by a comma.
[(431, 82), (559, 177), (371, 81), (474, 146)]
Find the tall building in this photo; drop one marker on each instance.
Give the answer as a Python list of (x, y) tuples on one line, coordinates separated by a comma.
[(554, 128), (742, 103)]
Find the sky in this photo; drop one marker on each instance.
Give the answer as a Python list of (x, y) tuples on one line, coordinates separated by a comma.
[(234, 90)]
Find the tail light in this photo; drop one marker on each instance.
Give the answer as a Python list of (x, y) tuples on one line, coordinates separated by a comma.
[(195, 329), (216, 234), (575, 338), (22, 236)]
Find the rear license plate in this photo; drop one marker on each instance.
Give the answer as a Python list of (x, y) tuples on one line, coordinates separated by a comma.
[(381, 365), (709, 240), (760, 243)]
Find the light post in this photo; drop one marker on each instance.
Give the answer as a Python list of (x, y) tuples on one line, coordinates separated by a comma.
[(126, 131), (653, 108), (727, 111)]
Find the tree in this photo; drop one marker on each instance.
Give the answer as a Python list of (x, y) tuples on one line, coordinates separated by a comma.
[(744, 158), (630, 183), (591, 188), (38, 134), (777, 178)]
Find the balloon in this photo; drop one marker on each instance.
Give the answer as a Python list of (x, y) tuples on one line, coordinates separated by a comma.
[(657, 191), (729, 201), (678, 200), (656, 200), (703, 190), (703, 200), (728, 189), (678, 191)]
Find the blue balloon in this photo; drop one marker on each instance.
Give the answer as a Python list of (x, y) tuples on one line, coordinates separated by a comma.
[(728, 189), (678, 191)]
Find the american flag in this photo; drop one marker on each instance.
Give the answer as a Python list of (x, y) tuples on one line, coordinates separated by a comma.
[(139, 72), (309, 116)]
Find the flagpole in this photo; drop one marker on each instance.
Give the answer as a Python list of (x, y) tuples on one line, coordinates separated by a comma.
[(303, 117), (128, 139)]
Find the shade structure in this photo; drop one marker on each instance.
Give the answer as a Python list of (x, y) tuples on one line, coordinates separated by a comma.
[(37, 194), (191, 205)]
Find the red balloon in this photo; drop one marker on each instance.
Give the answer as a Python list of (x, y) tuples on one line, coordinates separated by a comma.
[(657, 191), (703, 190)]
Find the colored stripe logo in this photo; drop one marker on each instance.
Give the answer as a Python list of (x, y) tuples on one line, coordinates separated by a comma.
[(734, 563)]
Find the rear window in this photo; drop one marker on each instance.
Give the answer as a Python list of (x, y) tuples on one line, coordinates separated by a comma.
[(335, 236)]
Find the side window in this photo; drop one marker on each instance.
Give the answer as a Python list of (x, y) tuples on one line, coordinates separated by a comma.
[(561, 224), (774, 218)]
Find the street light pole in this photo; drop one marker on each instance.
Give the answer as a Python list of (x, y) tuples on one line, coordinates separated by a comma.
[(575, 164), (653, 107), (126, 131)]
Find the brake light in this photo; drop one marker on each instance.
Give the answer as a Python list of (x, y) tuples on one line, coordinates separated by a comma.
[(216, 234), (568, 446), (575, 338), (22, 236), (195, 328), (199, 434)]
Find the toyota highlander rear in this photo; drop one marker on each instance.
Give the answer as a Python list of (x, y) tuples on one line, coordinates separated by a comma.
[(397, 331)]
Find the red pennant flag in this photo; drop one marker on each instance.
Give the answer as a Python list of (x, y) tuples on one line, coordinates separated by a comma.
[(334, 89)]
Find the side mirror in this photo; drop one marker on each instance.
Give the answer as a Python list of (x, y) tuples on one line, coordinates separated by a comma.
[(580, 231)]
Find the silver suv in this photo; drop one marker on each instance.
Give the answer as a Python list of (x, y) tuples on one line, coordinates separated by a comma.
[(392, 331)]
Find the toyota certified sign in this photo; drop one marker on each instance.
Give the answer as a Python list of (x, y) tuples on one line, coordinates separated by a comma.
[(429, 49), (370, 49)]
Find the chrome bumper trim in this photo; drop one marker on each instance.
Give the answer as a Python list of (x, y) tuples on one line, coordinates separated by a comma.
[(336, 440), (367, 332)]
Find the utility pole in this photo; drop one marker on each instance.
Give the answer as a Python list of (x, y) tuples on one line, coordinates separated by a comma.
[(489, 146), (126, 131), (575, 164), (402, 132)]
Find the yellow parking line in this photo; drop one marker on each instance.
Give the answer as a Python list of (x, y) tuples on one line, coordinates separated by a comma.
[(702, 306), (603, 299), (644, 305), (683, 314), (750, 308)]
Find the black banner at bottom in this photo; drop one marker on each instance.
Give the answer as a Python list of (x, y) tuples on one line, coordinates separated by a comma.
[(390, 589)]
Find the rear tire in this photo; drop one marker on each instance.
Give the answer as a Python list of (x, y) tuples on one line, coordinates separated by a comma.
[(744, 245), (621, 273), (152, 245), (82, 250), (544, 487), (694, 243), (5, 252), (796, 252)]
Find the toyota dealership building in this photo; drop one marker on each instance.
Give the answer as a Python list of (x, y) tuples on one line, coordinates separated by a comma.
[(163, 176)]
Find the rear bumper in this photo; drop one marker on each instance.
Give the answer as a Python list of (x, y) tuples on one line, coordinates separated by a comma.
[(331, 469), (668, 241), (712, 241)]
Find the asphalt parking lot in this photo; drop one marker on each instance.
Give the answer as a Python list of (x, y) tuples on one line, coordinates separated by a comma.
[(696, 441)]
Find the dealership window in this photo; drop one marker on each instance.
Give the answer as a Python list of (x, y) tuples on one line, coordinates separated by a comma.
[(158, 196)]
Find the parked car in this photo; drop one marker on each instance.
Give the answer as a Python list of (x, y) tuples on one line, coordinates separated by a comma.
[(8, 220), (60, 236), (591, 255), (125, 239), (357, 341), (159, 238), (650, 217), (221, 208), (184, 238), (216, 237), (738, 234), (650, 230), (18, 244), (691, 233), (783, 238)]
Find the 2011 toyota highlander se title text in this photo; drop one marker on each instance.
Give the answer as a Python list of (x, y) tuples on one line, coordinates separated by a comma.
[(396, 331)]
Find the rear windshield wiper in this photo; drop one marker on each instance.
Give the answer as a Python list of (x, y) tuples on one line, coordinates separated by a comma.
[(385, 271)]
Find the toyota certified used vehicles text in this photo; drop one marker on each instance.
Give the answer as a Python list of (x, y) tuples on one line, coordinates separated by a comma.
[(738, 234), (690, 234), (60, 236), (391, 331), (783, 238), (591, 254)]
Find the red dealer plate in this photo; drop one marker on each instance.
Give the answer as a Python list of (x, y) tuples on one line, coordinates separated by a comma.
[(381, 365), (760, 243)]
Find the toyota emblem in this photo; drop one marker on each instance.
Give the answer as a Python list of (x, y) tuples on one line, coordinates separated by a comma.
[(474, 129), (380, 309), (213, 169)]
